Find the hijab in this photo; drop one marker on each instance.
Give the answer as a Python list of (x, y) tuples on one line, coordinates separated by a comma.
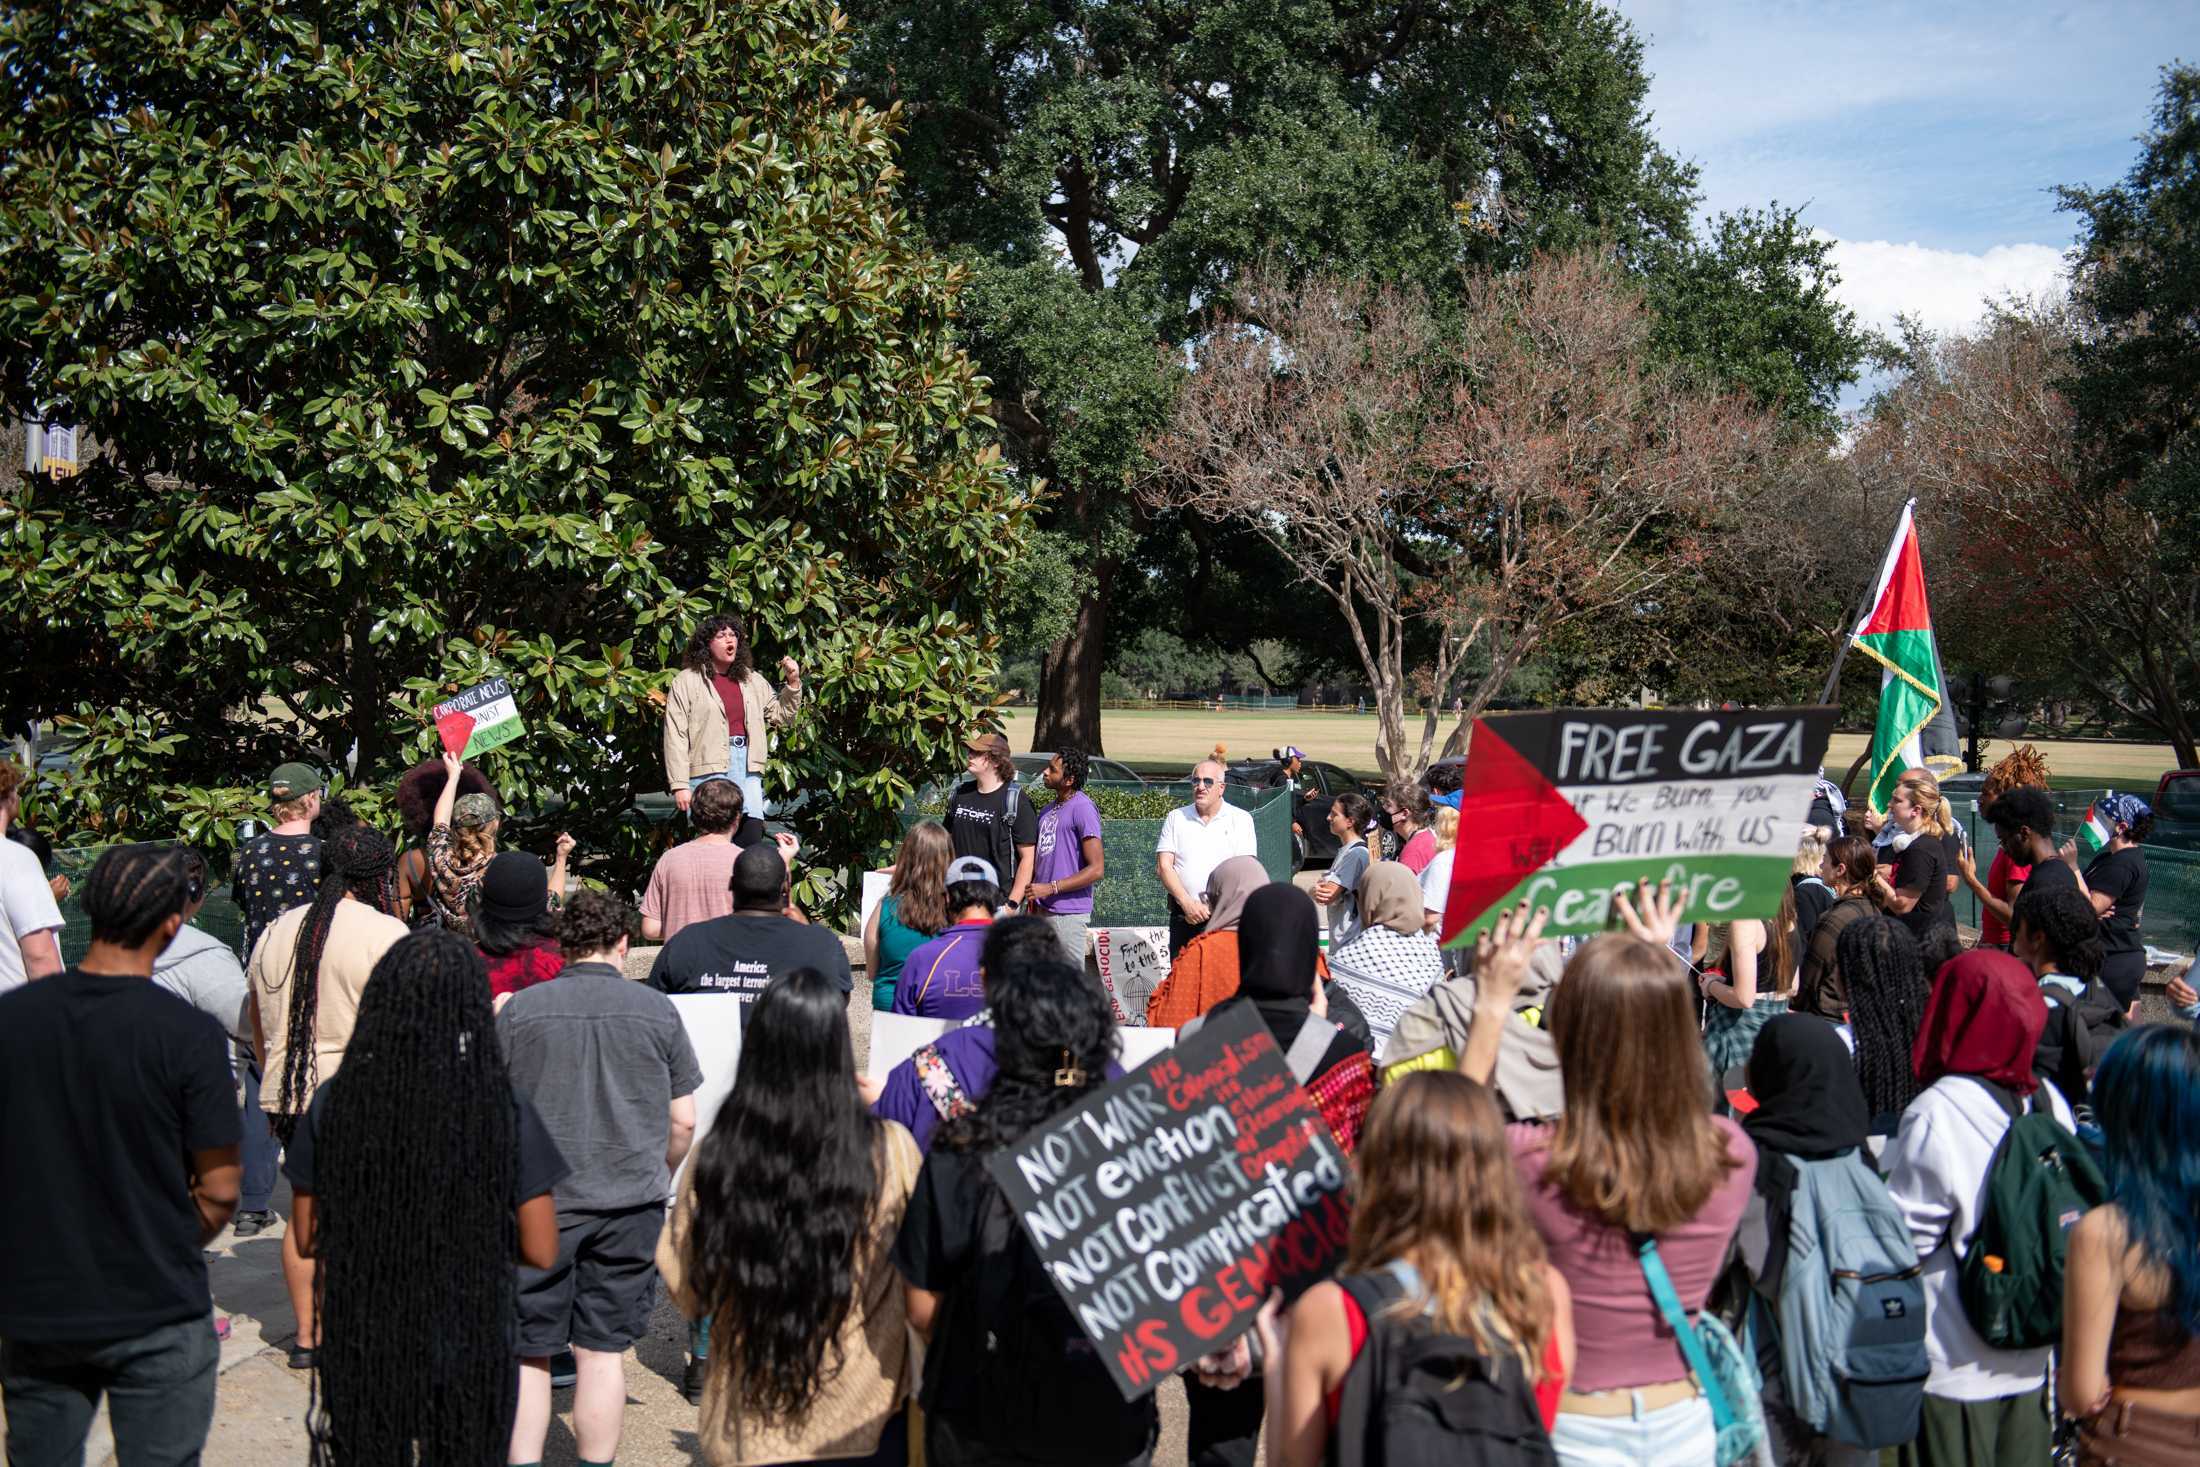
[(1984, 1018), (1232, 882), (1810, 1107), (1390, 896), (1279, 949)]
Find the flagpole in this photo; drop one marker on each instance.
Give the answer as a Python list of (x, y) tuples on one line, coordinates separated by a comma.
[(1863, 607)]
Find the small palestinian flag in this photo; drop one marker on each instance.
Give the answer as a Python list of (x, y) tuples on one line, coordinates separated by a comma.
[(2093, 835), (483, 717)]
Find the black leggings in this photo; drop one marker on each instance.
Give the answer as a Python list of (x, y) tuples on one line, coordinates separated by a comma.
[(2122, 973)]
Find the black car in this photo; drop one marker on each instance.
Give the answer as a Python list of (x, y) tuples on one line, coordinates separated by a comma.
[(1312, 846)]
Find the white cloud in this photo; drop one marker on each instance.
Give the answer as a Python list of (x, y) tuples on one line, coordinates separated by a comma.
[(1946, 289)]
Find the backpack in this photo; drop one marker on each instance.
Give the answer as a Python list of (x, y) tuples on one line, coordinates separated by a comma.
[(1851, 1308), (1036, 1382), (1416, 1396), (1725, 1372), (2040, 1182)]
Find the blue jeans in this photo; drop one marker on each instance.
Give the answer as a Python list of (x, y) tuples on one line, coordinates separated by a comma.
[(737, 770), (260, 1150), (159, 1388)]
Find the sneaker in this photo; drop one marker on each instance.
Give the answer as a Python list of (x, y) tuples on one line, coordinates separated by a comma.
[(251, 1224), (301, 1357), (564, 1370), (691, 1381)]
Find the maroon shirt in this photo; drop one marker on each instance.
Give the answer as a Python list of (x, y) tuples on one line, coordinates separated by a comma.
[(538, 963), (729, 694)]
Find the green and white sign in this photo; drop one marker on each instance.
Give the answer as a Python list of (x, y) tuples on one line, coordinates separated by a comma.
[(483, 717), (1561, 808)]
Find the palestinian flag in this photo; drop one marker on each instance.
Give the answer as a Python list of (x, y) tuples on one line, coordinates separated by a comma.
[(1897, 633), (2093, 833), (484, 717)]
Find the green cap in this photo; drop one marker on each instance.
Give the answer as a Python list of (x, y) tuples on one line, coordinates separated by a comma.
[(289, 781)]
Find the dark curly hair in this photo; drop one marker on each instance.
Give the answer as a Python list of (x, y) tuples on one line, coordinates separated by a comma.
[(2065, 921), (2022, 808), (1076, 765), (1883, 973), (418, 787), (417, 1158), (1048, 1017), (697, 656), (793, 1141), (593, 922), (335, 815)]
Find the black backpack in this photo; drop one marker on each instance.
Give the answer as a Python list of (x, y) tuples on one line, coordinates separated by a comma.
[(1039, 1390), (1414, 1396)]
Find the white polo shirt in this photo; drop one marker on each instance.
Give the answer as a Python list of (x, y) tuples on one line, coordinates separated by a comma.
[(1201, 845)]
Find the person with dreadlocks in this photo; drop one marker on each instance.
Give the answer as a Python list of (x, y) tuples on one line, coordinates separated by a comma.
[(1884, 972), (811, 1358), (2014, 861), (1008, 1375), (307, 976), (419, 1179), (119, 1164)]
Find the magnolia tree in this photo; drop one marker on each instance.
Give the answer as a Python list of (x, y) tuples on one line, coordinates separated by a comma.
[(1521, 468)]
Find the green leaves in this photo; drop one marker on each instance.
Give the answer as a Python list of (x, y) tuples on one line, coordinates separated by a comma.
[(427, 344)]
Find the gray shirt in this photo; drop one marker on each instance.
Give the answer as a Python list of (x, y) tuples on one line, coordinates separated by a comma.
[(602, 1059)]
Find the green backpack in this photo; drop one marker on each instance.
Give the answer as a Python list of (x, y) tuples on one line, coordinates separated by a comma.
[(2041, 1181)]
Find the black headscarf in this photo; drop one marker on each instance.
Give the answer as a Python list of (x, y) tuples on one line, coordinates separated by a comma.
[(1810, 1107), (1279, 950)]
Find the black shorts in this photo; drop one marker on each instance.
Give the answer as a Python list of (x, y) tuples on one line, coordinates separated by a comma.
[(598, 1295)]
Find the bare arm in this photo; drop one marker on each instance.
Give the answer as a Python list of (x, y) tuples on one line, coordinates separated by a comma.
[(1316, 1353), (1967, 867), (2093, 1285), (870, 942), (682, 1133), (924, 1308), (215, 1174), (652, 930), (445, 802), (41, 954), (538, 1231), (1164, 866), (557, 866), (1086, 875), (1025, 855), (1562, 1318)]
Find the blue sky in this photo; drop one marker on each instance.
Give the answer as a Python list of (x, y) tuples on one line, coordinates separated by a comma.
[(1922, 137)]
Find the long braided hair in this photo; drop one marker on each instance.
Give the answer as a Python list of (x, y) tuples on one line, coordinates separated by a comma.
[(416, 1164), (356, 861), (133, 889), (1883, 973)]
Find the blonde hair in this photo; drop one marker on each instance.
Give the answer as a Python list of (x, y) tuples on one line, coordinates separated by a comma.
[(1445, 822), (1932, 806), (286, 811), (471, 843), (1810, 851)]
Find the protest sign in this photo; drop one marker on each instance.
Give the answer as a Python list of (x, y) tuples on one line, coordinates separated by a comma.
[(876, 885), (1167, 1205), (714, 1031), (483, 717), (1565, 806), (1131, 962), (895, 1037)]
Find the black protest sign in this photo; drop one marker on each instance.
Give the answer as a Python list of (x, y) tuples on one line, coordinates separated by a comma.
[(1167, 1205)]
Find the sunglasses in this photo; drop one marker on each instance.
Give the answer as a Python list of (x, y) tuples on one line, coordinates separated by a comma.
[(1202, 781)]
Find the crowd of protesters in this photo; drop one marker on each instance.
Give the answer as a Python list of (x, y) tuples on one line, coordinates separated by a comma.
[(1748, 1191)]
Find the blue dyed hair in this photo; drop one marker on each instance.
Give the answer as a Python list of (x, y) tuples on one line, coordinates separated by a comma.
[(2147, 1097)]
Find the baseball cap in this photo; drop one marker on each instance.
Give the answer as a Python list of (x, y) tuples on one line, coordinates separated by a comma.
[(289, 781), (1291, 751), (972, 868), (984, 742), (472, 812)]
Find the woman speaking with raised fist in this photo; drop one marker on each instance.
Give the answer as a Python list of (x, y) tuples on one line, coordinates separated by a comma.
[(719, 710)]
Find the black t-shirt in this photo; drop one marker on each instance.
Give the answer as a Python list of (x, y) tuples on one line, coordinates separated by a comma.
[(1923, 866), (2120, 876), (107, 1084), (274, 873), (2052, 874), (741, 954), (981, 825), (541, 1165), (943, 1248)]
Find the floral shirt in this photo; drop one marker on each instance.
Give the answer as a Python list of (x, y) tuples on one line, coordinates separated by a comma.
[(456, 882)]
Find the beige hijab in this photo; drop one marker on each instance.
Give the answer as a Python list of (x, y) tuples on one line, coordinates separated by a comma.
[(1390, 896), (1228, 887)]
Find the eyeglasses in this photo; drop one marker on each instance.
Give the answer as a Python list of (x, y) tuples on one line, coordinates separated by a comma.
[(1201, 781)]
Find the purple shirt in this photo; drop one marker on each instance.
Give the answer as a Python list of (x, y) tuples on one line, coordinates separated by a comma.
[(940, 979), (967, 1054), (1062, 831)]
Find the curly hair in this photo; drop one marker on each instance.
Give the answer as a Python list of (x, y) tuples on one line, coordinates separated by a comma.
[(1883, 973), (334, 816), (697, 657), (418, 787), (11, 779), (2063, 920), (2022, 808), (358, 862), (593, 922), (792, 1141), (1076, 765), (416, 1162), (2024, 769), (1048, 1017)]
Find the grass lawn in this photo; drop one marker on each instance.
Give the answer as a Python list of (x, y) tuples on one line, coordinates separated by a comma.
[(1168, 742)]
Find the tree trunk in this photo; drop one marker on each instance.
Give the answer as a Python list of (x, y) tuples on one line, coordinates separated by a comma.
[(1069, 674), (367, 724)]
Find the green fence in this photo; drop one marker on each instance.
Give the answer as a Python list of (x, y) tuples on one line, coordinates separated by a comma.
[(219, 918), (1131, 895), (2172, 916)]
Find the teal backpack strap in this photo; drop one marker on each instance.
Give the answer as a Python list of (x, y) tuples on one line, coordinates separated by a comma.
[(1669, 1304)]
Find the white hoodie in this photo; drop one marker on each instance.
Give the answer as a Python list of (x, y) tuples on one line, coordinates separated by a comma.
[(1936, 1169)]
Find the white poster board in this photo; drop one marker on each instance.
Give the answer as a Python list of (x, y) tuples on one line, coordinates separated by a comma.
[(713, 1024), (1131, 962), (874, 892), (895, 1037)]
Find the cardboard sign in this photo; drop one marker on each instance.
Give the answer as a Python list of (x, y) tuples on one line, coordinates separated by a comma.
[(483, 717), (714, 1029), (1559, 809), (1167, 1205), (1131, 961), (895, 1037)]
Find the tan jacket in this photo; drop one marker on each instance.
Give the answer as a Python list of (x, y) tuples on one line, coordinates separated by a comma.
[(877, 1365), (695, 725)]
